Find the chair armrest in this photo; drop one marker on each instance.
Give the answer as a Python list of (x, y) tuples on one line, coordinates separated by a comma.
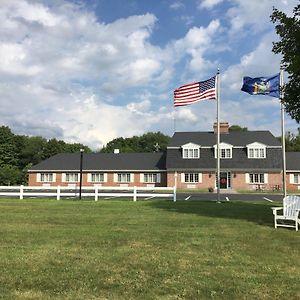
[(276, 208)]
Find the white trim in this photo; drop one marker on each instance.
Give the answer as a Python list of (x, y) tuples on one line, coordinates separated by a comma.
[(266, 178), (142, 179), (182, 177), (247, 178), (89, 177), (104, 177), (115, 177)]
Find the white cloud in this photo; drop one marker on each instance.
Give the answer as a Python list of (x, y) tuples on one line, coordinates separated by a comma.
[(249, 14), (209, 4), (197, 43), (176, 5), (64, 74), (259, 62)]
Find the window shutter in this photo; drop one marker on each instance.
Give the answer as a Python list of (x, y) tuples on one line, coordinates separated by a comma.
[(142, 177), (158, 178), (63, 177), (89, 177), (115, 177), (182, 177), (266, 177), (200, 177), (292, 178), (247, 179), (54, 177), (105, 177), (132, 177), (38, 177)]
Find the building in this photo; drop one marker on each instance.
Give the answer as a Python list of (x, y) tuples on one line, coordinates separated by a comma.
[(249, 160)]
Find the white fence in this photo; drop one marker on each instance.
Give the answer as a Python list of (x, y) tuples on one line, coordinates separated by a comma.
[(95, 192)]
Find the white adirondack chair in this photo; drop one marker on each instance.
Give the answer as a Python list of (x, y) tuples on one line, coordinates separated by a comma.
[(291, 209)]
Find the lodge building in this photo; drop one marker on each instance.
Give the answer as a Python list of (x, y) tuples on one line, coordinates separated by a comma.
[(249, 160)]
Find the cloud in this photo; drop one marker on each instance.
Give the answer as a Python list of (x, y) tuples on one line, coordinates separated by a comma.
[(197, 43), (65, 74), (176, 5), (208, 4), (253, 64), (249, 14)]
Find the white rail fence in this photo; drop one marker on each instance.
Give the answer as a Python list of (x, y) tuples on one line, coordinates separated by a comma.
[(96, 192)]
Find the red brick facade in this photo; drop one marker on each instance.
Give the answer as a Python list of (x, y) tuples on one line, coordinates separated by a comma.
[(206, 181), (136, 180)]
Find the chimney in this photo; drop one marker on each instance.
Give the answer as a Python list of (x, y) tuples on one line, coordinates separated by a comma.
[(224, 127), (116, 151)]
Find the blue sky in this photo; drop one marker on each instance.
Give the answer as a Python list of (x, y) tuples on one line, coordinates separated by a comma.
[(91, 71)]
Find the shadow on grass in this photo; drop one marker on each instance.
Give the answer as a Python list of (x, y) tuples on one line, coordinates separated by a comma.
[(259, 213)]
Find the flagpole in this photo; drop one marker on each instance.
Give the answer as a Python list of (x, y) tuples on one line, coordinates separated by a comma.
[(282, 134), (218, 137), (174, 118)]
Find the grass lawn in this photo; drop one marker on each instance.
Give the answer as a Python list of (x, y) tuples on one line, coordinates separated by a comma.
[(145, 250)]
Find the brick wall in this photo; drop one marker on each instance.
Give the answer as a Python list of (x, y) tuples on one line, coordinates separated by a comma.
[(32, 181)]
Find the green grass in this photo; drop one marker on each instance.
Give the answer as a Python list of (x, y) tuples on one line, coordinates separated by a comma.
[(145, 250)]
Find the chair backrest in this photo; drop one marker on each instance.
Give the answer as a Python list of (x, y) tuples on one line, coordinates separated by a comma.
[(290, 204)]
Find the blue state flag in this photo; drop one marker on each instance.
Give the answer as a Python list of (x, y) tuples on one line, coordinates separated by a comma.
[(269, 86)]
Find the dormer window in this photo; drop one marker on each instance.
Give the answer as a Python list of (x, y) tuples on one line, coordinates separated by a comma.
[(190, 151), (256, 150), (225, 150)]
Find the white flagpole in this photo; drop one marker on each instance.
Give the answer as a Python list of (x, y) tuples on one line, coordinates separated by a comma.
[(282, 134), (174, 118), (218, 136)]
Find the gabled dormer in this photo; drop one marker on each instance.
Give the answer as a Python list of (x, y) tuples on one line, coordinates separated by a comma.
[(256, 150), (225, 150), (190, 151)]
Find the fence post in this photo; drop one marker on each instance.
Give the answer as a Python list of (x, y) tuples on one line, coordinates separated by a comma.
[(134, 193), (96, 193), (58, 193), (21, 192), (174, 193)]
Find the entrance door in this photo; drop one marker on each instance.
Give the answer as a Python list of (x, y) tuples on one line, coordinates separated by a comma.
[(223, 180)]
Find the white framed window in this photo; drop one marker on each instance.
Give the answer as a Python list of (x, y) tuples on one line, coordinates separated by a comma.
[(46, 177), (191, 177), (190, 151), (257, 178), (295, 178), (151, 178), (225, 150), (256, 150), (97, 177), (123, 177), (71, 177)]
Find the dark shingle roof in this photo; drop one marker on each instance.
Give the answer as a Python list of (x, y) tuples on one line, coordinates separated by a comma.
[(235, 138), (239, 160), (103, 162), (292, 161)]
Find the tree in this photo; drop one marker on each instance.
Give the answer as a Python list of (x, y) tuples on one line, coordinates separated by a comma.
[(288, 29), (148, 142), (237, 128)]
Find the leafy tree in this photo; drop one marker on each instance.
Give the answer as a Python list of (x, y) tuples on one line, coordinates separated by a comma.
[(148, 142), (8, 147), (288, 29), (10, 175), (237, 128)]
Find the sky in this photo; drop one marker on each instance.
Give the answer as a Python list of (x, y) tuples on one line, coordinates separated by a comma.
[(91, 71)]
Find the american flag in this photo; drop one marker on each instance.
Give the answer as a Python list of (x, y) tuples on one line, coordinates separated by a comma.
[(194, 92)]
